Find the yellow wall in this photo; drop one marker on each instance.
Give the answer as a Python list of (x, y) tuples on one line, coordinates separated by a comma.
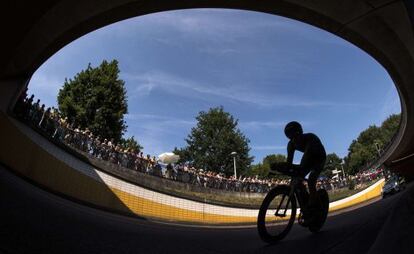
[(27, 158)]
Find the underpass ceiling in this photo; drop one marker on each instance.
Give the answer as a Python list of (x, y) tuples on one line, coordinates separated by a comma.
[(410, 9), (16, 20), (35, 30)]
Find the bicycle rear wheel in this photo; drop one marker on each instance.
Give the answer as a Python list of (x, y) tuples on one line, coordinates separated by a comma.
[(276, 215), (323, 212)]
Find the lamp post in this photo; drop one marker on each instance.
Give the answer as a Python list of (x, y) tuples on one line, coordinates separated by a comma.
[(377, 146), (234, 154), (342, 166)]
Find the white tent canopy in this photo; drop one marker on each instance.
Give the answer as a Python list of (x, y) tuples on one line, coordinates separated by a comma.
[(168, 157)]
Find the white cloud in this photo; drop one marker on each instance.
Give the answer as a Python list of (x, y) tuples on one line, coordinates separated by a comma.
[(143, 89), (145, 117), (199, 23), (155, 132), (159, 119), (152, 138), (175, 85), (260, 124), (215, 26), (267, 147), (216, 50), (235, 23)]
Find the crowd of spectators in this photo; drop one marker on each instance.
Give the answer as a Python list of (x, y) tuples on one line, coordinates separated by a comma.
[(354, 182), (50, 122)]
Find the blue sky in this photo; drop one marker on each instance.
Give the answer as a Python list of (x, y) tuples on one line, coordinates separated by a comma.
[(264, 69)]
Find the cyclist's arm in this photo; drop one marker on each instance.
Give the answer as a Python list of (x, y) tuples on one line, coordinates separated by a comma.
[(290, 153)]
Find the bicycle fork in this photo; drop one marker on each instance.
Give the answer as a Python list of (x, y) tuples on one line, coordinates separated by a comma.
[(281, 211)]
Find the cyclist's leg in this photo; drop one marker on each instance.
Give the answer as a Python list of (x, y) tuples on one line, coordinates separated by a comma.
[(313, 177), (313, 197), (315, 166)]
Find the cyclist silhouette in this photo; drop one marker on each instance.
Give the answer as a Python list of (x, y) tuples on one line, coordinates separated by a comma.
[(313, 159)]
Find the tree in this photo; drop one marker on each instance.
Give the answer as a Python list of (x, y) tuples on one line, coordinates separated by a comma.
[(96, 99), (213, 139), (183, 153), (131, 144), (257, 170), (332, 162), (262, 169), (389, 127), (363, 150)]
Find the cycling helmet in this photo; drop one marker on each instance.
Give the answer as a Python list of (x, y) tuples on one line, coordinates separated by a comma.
[(292, 128)]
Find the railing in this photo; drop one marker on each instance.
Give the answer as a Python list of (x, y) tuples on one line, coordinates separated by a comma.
[(402, 159), (99, 153)]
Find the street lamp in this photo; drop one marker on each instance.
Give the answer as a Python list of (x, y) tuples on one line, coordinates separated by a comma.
[(377, 146), (234, 154)]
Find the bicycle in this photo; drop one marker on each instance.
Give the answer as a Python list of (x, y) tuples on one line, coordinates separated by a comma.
[(274, 223)]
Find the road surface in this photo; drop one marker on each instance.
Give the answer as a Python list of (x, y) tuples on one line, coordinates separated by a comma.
[(36, 221)]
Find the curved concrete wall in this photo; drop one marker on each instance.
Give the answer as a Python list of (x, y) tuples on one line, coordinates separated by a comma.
[(60, 172), (382, 28), (39, 29)]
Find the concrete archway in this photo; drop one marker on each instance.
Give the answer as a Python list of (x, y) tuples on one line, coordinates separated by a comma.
[(382, 28)]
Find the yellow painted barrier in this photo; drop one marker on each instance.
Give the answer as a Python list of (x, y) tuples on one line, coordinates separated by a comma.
[(369, 193), (68, 176)]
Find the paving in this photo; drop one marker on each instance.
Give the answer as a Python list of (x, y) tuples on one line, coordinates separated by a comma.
[(35, 221)]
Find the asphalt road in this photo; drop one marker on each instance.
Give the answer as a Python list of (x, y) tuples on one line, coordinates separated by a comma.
[(35, 221)]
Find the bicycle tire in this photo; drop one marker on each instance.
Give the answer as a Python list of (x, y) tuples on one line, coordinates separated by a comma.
[(324, 198), (264, 233)]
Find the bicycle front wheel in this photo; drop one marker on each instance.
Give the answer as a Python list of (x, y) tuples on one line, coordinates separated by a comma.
[(276, 215)]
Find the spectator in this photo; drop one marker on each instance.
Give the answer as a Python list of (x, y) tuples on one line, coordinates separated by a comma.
[(53, 125)]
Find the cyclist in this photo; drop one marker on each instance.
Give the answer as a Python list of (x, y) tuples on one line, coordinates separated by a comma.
[(313, 159)]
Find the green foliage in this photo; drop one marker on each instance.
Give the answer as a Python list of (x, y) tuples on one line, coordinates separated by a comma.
[(262, 169), (183, 153), (389, 127), (131, 144), (96, 99), (258, 170), (363, 150), (211, 142), (332, 162)]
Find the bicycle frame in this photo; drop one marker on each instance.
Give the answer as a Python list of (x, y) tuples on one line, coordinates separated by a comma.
[(300, 190), (296, 191)]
